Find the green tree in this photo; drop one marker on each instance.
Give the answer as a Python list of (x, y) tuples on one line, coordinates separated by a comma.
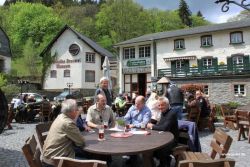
[(199, 21), (3, 80), (199, 14), (30, 21), (185, 13), (159, 20), (241, 16), (121, 20)]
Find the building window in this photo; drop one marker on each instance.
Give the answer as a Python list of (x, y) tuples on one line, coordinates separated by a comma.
[(144, 51), (207, 62), (129, 53), (53, 73), (239, 90), (206, 40), (237, 60), (66, 73), (90, 57), (206, 90), (74, 49), (236, 37), (179, 44), (179, 65), (89, 76)]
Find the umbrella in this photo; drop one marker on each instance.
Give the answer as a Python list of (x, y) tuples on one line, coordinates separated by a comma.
[(106, 71)]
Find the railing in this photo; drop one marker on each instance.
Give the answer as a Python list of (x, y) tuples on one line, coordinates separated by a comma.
[(204, 71)]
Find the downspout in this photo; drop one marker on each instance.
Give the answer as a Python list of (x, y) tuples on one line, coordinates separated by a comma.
[(155, 74)]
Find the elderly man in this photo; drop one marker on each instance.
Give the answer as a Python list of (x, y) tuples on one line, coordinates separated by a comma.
[(168, 122), (104, 82), (138, 114), (63, 135), (99, 113)]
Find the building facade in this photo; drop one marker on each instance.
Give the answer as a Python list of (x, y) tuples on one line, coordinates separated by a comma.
[(77, 64), (216, 56), (5, 52)]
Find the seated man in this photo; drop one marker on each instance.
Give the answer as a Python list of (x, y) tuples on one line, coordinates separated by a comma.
[(138, 114), (100, 112), (168, 122), (63, 135)]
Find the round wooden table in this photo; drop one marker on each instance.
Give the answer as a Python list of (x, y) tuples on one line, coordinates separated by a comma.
[(136, 144)]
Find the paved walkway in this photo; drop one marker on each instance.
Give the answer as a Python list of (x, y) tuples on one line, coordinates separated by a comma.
[(11, 142)]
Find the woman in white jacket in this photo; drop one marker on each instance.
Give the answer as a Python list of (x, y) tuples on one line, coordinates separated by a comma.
[(152, 104)]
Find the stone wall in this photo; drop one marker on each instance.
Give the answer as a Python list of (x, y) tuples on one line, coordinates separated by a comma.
[(222, 90)]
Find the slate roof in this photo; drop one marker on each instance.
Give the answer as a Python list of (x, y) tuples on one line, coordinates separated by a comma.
[(188, 31), (97, 48)]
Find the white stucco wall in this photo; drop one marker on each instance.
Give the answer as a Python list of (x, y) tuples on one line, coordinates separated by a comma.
[(7, 63), (77, 70), (221, 47)]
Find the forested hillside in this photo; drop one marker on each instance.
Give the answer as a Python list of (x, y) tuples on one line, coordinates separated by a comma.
[(30, 26)]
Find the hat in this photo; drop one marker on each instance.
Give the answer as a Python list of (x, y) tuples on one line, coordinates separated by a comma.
[(163, 80)]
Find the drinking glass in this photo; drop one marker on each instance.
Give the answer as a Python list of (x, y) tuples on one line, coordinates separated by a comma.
[(101, 133), (105, 124), (143, 126)]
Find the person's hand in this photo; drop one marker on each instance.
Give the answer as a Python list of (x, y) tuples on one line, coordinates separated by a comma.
[(87, 128), (149, 125), (131, 126)]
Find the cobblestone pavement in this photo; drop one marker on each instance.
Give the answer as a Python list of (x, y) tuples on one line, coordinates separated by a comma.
[(11, 142)]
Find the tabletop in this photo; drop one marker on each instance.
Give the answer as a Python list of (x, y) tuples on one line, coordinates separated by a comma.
[(135, 144)]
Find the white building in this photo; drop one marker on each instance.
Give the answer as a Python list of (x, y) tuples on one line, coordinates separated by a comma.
[(78, 61), (5, 52), (207, 55)]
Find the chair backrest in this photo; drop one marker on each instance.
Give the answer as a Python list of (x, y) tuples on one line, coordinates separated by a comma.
[(207, 163), (69, 162), (194, 114), (225, 110), (242, 117), (41, 131), (220, 144), (32, 152), (45, 108)]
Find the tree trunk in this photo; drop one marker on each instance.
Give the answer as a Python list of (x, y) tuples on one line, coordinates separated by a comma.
[(3, 111)]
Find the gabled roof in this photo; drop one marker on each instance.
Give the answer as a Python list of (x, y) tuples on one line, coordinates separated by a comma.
[(188, 31), (97, 48)]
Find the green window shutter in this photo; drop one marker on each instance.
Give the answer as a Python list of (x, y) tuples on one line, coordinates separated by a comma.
[(186, 66), (246, 62), (229, 64), (173, 67), (215, 64), (200, 65)]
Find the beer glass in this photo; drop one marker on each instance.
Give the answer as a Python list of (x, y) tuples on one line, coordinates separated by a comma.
[(101, 133)]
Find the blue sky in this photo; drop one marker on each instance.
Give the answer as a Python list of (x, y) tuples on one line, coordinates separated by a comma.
[(208, 8)]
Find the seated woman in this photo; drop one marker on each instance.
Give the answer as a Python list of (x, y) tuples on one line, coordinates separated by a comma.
[(81, 120), (152, 104)]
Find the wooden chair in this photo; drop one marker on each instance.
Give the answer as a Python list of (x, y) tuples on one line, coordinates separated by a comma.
[(32, 152), (228, 116), (243, 123), (69, 162), (208, 122), (194, 114), (45, 111), (220, 144), (41, 130), (208, 163)]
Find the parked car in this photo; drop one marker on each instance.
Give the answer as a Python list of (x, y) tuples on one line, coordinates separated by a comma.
[(37, 96), (61, 96)]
